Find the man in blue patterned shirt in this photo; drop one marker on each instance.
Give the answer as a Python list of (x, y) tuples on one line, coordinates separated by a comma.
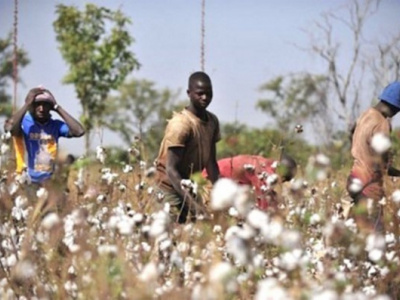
[(36, 133)]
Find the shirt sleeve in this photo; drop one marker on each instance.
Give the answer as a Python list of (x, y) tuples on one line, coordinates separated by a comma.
[(63, 129), (177, 132)]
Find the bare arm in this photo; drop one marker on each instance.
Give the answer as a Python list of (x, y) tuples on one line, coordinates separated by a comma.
[(212, 166), (174, 158), (75, 127)]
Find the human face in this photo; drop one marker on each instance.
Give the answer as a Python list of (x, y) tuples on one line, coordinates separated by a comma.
[(200, 94), (41, 111)]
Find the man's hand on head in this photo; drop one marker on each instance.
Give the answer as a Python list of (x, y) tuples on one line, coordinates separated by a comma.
[(32, 95), (52, 99)]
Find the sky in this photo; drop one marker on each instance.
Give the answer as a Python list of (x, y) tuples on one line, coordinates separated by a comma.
[(247, 43)]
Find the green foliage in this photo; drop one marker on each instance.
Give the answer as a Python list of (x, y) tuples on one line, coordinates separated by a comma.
[(140, 111), (239, 139), (95, 44), (293, 99), (6, 72)]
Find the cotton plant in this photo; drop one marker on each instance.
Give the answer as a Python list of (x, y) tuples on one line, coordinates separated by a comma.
[(101, 154), (227, 194), (190, 186), (252, 253), (21, 209), (318, 167), (108, 176), (80, 182), (134, 151)]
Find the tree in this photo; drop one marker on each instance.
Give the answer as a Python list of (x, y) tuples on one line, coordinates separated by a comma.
[(331, 101), (95, 43), (140, 110), (348, 82), (385, 66), (6, 72), (296, 99)]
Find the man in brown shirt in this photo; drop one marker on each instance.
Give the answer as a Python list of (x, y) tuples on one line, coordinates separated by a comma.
[(189, 146), (370, 162)]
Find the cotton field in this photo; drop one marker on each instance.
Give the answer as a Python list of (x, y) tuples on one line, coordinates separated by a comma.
[(105, 233)]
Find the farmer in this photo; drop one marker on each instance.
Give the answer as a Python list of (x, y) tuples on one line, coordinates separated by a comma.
[(36, 132), (365, 181), (259, 172), (188, 146)]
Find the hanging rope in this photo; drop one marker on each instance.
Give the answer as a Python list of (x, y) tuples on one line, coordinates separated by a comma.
[(203, 30), (15, 60)]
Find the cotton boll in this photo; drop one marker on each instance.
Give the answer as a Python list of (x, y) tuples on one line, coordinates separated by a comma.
[(321, 175), (296, 184), (24, 269), (6, 136), (21, 201), (125, 226), (270, 289), (149, 273), (380, 143), (220, 272), (322, 160), (42, 194), (233, 212), (138, 219), (50, 220), (375, 255), (242, 202), (4, 149), (159, 225), (223, 194), (127, 169), (272, 231), (107, 249), (315, 219), (325, 295), (101, 198), (238, 248), (290, 260), (11, 260), (369, 290), (13, 188), (356, 185), (290, 239), (396, 197), (272, 179), (257, 218), (122, 187), (150, 171), (249, 167), (23, 177), (101, 154), (375, 241)]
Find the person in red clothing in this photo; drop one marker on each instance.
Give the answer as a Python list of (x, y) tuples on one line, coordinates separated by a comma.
[(259, 172)]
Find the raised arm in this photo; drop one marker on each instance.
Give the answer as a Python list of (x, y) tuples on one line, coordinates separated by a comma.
[(75, 127), (14, 123)]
